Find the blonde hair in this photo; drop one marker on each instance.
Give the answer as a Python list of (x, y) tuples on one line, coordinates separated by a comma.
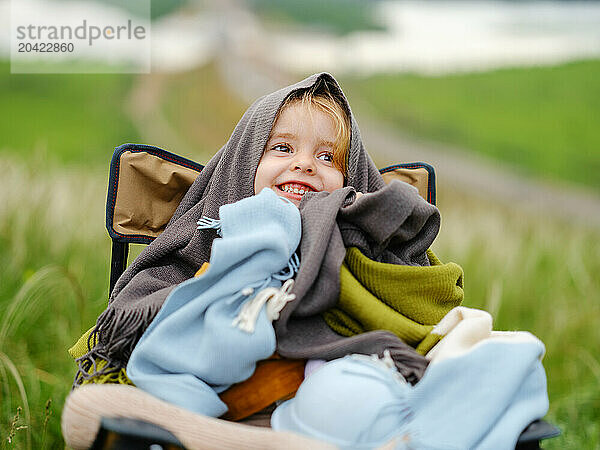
[(319, 96)]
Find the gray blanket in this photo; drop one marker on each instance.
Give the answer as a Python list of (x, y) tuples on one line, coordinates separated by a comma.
[(228, 177)]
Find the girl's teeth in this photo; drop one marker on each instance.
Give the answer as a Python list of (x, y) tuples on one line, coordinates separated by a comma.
[(293, 190)]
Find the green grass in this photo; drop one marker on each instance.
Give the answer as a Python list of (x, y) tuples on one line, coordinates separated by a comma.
[(335, 16), (53, 284), (70, 118), (77, 119), (539, 120)]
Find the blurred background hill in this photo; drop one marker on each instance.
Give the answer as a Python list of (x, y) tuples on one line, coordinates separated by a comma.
[(503, 98)]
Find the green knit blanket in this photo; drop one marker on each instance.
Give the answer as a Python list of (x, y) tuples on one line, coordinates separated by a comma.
[(406, 300)]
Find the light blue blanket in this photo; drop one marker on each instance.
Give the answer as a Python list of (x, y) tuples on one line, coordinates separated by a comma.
[(482, 399), (204, 339)]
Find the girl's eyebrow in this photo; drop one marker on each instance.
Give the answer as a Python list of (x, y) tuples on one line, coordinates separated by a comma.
[(283, 135), (327, 143)]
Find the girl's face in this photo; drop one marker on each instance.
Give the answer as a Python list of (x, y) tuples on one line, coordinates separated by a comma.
[(298, 157)]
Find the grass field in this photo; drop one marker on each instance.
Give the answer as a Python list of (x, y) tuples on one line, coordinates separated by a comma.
[(53, 284), (531, 274), (69, 118), (539, 120)]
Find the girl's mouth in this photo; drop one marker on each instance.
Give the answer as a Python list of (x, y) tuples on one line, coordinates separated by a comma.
[(294, 191)]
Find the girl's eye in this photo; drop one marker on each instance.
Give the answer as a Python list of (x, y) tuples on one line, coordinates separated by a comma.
[(282, 148), (327, 156)]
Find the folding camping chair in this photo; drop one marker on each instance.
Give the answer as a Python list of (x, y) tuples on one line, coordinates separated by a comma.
[(146, 185)]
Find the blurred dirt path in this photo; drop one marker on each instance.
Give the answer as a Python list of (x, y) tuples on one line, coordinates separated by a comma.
[(475, 175), (143, 106)]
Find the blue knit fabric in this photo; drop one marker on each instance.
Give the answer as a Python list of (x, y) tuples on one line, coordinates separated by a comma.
[(480, 400), (191, 351)]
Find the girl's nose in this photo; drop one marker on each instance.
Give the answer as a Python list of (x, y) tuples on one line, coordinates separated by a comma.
[(303, 162)]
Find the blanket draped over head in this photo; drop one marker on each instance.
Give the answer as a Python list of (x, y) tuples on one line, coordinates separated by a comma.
[(329, 222)]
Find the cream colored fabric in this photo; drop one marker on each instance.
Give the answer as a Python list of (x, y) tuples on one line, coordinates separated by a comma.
[(149, 190), (463, 329)]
